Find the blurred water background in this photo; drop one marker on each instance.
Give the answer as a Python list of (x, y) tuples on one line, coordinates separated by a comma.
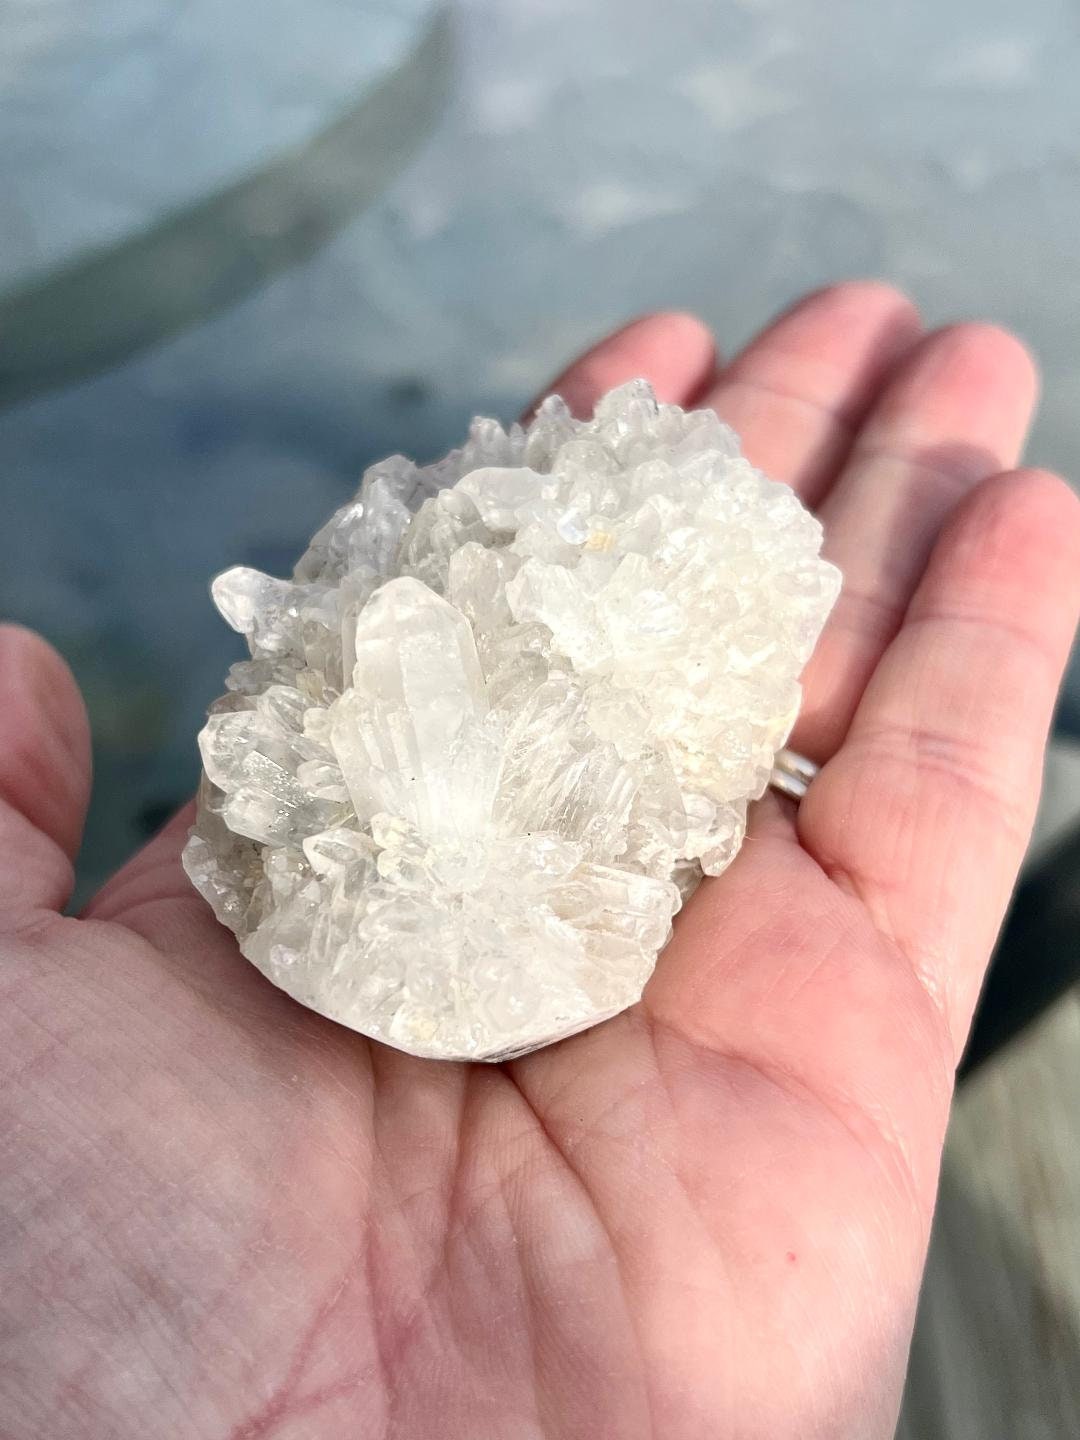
[(247, 248)]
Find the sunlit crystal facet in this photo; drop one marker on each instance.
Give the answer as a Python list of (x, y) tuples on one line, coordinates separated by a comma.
[(506, 713)]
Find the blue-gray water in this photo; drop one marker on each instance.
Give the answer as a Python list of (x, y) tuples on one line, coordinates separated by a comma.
[(595, 158)]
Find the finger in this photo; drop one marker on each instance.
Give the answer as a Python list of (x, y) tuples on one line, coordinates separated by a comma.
[(798, 392), (956, 410), (676, 353), (926, 810), (44, 774)]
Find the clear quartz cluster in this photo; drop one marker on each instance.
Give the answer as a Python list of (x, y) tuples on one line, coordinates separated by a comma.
[(509, 709)]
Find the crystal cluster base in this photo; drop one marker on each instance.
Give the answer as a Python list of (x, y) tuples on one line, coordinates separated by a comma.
[(506, 713)]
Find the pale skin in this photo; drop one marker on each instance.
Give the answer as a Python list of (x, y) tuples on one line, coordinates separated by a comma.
[(225, 1218)]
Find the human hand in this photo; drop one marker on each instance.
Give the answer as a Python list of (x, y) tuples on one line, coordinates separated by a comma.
[(224, 1216)]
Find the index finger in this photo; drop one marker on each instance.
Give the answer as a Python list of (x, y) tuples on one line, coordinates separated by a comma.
[(675, 352)]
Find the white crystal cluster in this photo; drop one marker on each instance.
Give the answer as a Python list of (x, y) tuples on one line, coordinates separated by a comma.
[(507, 711)]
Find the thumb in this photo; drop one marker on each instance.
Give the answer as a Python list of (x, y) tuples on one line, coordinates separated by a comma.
[(44, 774)]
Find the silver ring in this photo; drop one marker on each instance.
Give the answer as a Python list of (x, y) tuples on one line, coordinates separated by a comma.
[(792, 774)]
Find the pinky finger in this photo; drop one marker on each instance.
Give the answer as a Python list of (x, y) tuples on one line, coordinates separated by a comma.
[(927, 809)]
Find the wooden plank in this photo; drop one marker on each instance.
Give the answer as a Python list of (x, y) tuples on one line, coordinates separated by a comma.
[(996, 1354)]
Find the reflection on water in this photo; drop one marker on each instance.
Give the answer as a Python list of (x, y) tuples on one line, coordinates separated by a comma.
[(99, 311)]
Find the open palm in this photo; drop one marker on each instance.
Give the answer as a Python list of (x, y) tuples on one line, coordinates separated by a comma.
[(223, 1216)]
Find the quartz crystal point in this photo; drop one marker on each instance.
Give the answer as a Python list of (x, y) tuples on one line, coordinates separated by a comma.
[(506, 713)]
